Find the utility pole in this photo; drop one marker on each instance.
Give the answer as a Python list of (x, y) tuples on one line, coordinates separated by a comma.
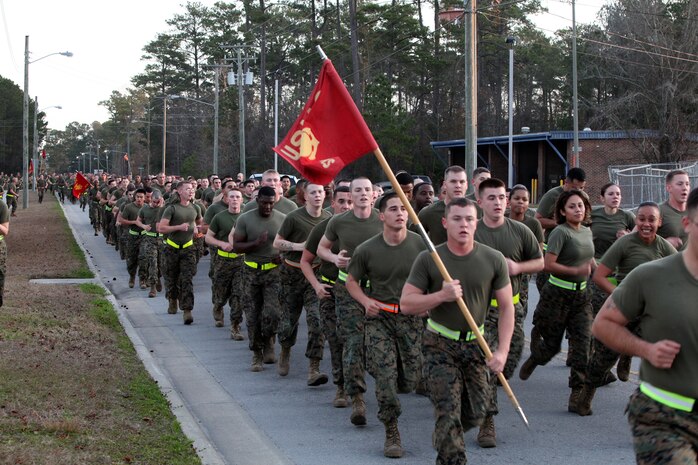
[(470, 22), (241, 60), (216, 107)]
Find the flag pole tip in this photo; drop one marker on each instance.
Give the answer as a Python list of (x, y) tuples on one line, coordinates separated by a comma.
[(322, 53)]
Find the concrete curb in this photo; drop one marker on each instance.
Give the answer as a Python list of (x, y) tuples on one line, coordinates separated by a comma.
[(190, 426)]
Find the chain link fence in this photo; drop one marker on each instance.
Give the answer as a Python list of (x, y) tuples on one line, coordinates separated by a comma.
[(646, 183)]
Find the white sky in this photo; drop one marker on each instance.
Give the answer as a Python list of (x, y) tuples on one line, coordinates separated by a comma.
[(107, 39)]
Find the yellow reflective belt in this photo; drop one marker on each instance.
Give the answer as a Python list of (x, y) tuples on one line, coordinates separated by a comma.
[(172, 243), (222, 253), (134, 233), (516, 299), (545, 247), (151, 234), (108, 209), (261, 266), (569, 285), (668, 398), (342, 277), (451, 334), (613, 280), (326, 280)]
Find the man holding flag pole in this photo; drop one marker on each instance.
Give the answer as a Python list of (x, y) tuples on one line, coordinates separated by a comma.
[(318, 147)]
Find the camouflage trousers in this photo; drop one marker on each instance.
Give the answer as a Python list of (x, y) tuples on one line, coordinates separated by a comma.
[(393, 358), (179, 271), (523, 292), (561, 310), (261, 290), (149, 259), (515, 348), (199, 245), (108, 226), (133, 246), (40, 192), (122, 238), (458, 380), (11, 202), (602, 358), (95, 218), (328, 323), (598, 297), (350, 327), (226, 285), (299, 294), (662, 435), (213, 253), (541, 280), (3, 267)]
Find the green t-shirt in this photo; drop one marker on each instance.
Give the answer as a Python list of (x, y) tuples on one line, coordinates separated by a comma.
[(296, 228), (130, 212), (11, 189), (629, 252), (385, 266), (431, 217), (222, 224), (149, 216), (213, 210), (481, 272), (664, 294), (514, 240), (4, 214), (327, 269), (351, 231), (284, 206), (572, 247), (205, 193), (604, 227), (251, 225), (671, 222), (177, 214), (546, 206), (534, 225)]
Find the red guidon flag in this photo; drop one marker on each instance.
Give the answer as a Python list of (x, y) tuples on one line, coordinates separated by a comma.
[(80, 186), (31, 167), (329, 134), (126, 156)]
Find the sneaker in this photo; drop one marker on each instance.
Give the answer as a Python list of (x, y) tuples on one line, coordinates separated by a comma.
[(487, 437)]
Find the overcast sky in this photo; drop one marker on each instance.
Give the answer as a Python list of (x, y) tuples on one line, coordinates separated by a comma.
[(107, 38)]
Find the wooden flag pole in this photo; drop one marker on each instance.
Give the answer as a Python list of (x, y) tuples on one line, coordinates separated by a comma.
[(447, 277), (442, 269)]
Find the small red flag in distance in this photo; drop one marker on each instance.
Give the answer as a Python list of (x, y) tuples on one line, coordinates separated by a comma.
[(80, 186), (126, 156), (329, 134)]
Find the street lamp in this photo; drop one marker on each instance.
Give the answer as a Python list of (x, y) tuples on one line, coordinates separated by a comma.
[(35, 156), (215, 124), (25, 121), (511, 41)]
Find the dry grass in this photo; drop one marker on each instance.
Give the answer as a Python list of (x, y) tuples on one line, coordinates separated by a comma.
[(72, 390)]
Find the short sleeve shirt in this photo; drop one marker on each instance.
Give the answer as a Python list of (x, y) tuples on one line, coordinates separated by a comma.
[(629, 252), (296, 228), (481, 272), (385, 266), (431, 217), (671, 222), (350, 231), (130, 212), (572, 247), (604, 227), (251, 225), (149, 216), (327, 269), (222, 224), (284, 206), (213, 210), (179, 214), (663, 293)]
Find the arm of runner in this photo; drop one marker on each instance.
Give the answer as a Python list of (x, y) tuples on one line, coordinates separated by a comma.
[(321, 289), (5, 228), (370, 306), (528, 266), (165, 228), (553, 267), (600, 274), (610, 328), (210, 239), (241, 245), (340, 260), (414, 301), (547, 223), (287, 246), (505, 329)]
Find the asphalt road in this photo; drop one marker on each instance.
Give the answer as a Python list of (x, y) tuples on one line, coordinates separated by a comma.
[(238, 417)]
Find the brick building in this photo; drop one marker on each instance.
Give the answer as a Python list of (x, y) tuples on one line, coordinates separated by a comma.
[(546, 156)]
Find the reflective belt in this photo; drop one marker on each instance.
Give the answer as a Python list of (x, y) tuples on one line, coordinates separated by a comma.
[(670, 399), (108, 209), (326, 280), (151, 234), (569, 285), (516, 299), (545, 247), (390, 308), (437, 328), (9, 195), (2, 238), (261, 266), (134, 233), (225, 254), (172, 243), (342, 277), (613, 280)]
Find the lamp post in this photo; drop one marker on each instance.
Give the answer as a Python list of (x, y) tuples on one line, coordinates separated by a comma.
[(25, 120), (575, 108), (215, 121), (35, 156), (511, 41)]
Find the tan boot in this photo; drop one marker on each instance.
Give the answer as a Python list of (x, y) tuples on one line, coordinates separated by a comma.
[(235, 333), (142, 284), (573, 404), (284, 361), (315, 378), (172, 308), (358, 410), (269, 355), (257, 361), (340, 398), (623, 368), (487, 437), (131, 281), (218, 316), (586, 397), (393, 446), (158, 285), (188, 318), (153, 292)]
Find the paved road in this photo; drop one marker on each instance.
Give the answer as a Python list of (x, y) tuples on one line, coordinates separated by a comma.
[(239, 417)]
